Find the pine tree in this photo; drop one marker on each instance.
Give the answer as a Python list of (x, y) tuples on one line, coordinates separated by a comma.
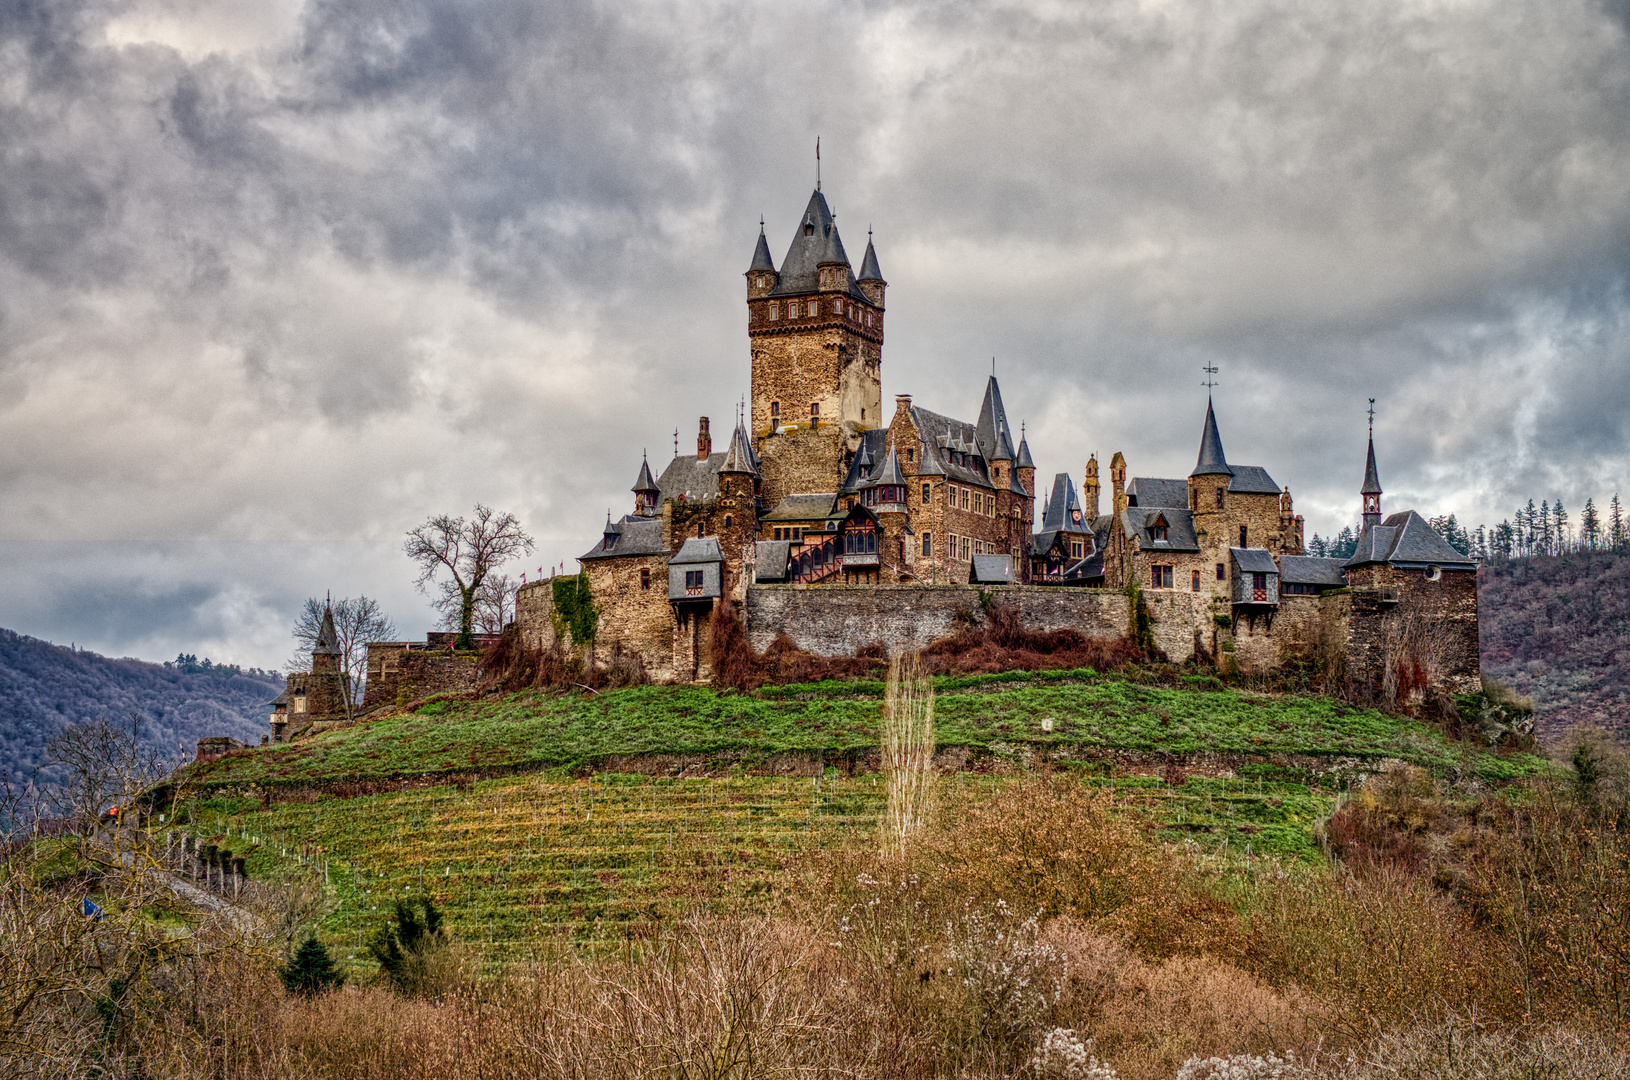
[(1505, 539), (311, 970), (1544, 537), (1560, 543), (1530, 528), (402, 950), (1615, 525), (1590, 527), (1318, 547), (1345, 543)]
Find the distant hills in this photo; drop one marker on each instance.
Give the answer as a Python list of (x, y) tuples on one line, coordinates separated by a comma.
[(1556, 628), (46, 687)]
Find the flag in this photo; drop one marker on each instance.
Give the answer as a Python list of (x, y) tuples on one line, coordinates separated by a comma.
[(92, 911)]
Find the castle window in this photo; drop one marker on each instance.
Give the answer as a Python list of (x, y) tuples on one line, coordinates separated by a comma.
[(777, 534), (911, 455), (1075, 549), (645, 581), (964, 498), (928, 545), (837, 307), (698, 530), (1434, 573), (1158, 532), (928, 494), (1220, 498), (792, 311), (775, 410), (1222, 572), (1242, 535), (814, 408), (727, 521), (1160, 577), (775, 312), (693, 583), (1195, 587)]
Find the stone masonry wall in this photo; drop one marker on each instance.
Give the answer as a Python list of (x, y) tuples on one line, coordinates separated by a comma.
[(634, 619), (835, 620), (1391, 604), (802, 461)]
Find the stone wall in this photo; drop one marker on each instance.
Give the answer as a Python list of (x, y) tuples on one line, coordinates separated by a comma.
[(1405, 615), (837, 620), (399, 673), (534, 614), (802, 461), (635, 619)]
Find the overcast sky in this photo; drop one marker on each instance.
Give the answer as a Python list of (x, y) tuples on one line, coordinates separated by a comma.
[(280, 279)]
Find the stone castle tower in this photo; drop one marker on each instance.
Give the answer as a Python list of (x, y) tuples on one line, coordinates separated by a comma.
[(816, 334)]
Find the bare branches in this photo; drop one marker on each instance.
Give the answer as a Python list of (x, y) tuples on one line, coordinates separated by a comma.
[(467, 551), (357, 621)]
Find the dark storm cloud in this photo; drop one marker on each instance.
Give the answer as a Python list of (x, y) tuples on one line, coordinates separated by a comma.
[(277, 280)]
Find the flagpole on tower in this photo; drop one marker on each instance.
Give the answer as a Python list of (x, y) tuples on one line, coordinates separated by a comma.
[(817, 163)]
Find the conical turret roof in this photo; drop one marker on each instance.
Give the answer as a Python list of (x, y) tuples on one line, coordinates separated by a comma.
[(1212, 461), (1023, 461), (739, 458), (815, 242), (868, 265), (992, 433), (761, 255), (889, 474), (1372, 479), (328, 642), (643, 482)]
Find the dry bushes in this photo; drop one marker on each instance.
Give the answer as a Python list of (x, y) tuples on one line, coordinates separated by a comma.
[(509, 665), (1001, 643)]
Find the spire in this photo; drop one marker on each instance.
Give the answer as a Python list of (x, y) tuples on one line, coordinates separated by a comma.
[(761, 254), (815, 242), (889, 475), (992, 433), (1063, 511), (1023, 461), (1212, 461), (643, 482), (1372, 479), (328, 642), (868, 265), (739, 458)]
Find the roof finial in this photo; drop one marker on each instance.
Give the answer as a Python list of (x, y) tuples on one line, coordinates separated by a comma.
[(676, 442), (817, 163), (1211, 376), (1372, 418), (761, 224)]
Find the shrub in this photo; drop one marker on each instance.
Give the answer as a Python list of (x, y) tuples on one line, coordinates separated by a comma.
[(408, 948), (310, 970), (1064, 1055)]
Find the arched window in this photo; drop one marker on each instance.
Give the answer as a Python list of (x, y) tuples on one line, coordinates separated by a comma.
[(728, 521), (837, 307), (775, 312)]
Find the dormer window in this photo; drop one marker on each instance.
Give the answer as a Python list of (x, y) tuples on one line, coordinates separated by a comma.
[(1158, 531)]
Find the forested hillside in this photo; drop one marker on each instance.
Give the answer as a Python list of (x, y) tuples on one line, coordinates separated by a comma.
[(1557, 629), (44, 687)]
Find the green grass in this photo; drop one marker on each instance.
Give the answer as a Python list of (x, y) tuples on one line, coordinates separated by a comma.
[(995, 714)]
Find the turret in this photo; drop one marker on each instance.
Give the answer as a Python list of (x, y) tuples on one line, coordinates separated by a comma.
[(1371, 491), (1024, 467), (871, 278), (1208, 483), (704, 441), (647, 496), (1090, 489), (1117, 484), (761, 275), (995, 438)]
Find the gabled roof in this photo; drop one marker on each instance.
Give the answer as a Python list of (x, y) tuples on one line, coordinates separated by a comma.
[(1406, 540), (992, 570), (1254, 560), (817, 507), (941, 435), (1372, 479), (761, 255), (1212, 460), (863, 465), (328, 642), (1252, 480), (1154, 491), (868, 265), (643, 481), (703, 549), (770, 560), (1136, 521), (1310, 570), (739, 458), (992, 433), (814, 242), (633, 536), (691, 479)]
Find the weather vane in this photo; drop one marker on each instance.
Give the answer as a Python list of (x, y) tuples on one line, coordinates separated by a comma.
[(1372, 418), (1211, 375)]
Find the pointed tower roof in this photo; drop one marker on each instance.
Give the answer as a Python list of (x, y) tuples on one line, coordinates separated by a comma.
[(328, 642), (1372, 479), (889, 474), (739, 458), (761, 254), (995, 438), (868, 265), (1063, 511), (815, 242), (1023, 461), (1212, 461), (643, 482)]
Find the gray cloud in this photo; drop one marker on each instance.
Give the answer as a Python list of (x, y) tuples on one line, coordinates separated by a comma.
[(278, 280)]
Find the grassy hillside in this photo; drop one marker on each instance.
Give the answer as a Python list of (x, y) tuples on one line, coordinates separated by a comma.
[(547, 849), (1000, 716)]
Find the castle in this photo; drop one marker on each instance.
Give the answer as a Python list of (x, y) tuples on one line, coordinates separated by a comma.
[(830, 524)]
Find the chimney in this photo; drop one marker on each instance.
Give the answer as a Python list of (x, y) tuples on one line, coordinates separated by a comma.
[(704, 442)]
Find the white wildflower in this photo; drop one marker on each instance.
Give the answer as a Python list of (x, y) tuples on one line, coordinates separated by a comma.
[(1063, 1055), (1242, 1067)]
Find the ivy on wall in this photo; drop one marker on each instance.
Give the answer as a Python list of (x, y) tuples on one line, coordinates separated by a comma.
[(575, 607)]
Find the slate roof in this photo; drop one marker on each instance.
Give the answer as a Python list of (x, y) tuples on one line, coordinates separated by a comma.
[(761, 255), (740, 457), (690, 479), (1252, 480), (868, 265), (1254, 560), (889, 474), (1154, 491), (643, 481), (992, 570), (873, 444), (941, 435), (1023, 461), (634, 536), (994, 436), (770, 560), (1136, 520), (328, 642), (814, 242), (281, 699), (1372, 479), (1063, 512), (816, 507), (1310, 570), (1212, 460), (698, 550), (1406, 540)]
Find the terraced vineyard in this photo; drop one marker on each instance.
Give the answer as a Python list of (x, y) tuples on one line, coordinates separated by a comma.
[(523, 864)]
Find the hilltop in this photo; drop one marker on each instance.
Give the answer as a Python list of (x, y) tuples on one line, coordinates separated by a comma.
[(45, 688), (1557, 629)]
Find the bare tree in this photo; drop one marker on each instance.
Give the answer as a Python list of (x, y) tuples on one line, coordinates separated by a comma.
[(494, 604), (467, 551), (357, 621)]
